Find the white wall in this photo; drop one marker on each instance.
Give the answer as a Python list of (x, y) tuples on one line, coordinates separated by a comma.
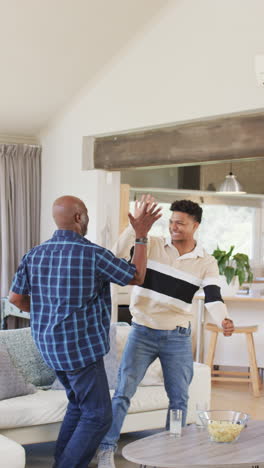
[(195, 60)]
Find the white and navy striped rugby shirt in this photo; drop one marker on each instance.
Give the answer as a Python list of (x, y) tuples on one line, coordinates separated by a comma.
[(164, 300)]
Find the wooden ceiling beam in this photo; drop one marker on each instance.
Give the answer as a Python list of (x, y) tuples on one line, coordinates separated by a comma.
[(220, 138)]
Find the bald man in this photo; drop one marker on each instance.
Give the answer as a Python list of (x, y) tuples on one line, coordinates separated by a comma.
[(65, 285)]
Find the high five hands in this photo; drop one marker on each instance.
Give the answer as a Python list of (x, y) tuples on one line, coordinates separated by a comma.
[(146, 213)]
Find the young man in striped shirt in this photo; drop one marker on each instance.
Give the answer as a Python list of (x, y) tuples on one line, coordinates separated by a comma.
[(65, 285), (161, 312)]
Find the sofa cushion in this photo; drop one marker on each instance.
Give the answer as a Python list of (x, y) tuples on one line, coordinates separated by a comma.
[(12, 383), (43, 407), (26, 357), (48, 406)]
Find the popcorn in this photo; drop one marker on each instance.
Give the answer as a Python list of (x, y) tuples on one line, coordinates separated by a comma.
[(224, 431)]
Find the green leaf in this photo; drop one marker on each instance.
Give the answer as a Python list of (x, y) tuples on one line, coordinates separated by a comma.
[(230, 251), (229, 273), (250, 277), (241, 276), (221, 266)]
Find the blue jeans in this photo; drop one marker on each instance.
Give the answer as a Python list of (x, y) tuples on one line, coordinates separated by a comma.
[(144, 345), (88, 416)]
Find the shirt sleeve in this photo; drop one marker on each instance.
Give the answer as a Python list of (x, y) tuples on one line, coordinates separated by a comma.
[(126, 242), (20, 283), (213, 300), (113, 269)]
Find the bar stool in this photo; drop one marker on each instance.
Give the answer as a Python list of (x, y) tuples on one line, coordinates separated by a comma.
[(251, 376)]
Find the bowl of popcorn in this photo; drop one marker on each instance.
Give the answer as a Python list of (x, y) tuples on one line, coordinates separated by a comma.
[(222, 425)]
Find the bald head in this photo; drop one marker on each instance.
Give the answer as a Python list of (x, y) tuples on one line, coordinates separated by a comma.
[(70, 213)]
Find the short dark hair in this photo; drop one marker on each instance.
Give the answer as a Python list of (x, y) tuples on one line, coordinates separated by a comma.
[(189, 207)]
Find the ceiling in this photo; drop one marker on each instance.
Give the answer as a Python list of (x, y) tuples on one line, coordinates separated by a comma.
[(50, 49)]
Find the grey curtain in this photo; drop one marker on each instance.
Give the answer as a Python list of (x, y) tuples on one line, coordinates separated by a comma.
[(20, 179)]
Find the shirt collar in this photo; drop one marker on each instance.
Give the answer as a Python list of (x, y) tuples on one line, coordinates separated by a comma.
[(198, 251), (67, 233)]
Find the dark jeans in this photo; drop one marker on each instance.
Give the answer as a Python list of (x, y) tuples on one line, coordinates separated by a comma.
[(88, 416)]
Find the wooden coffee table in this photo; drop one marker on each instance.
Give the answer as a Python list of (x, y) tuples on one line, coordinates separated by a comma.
[(195, 450)]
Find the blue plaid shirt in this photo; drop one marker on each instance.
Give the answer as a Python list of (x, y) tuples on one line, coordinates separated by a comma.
[(68, 280)]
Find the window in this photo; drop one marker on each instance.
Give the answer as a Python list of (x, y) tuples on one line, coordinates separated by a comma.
[(226, 225)]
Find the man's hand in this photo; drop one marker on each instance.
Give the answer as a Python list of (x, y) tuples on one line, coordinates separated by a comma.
[(140, 205), (145, 215), (228, 327)]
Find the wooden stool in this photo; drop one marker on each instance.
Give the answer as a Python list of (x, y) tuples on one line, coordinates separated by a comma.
[(251, 376)]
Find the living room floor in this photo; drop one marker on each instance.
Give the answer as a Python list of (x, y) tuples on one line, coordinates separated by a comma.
[(224, 396)]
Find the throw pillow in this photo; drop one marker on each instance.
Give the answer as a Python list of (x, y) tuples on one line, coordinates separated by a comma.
[(12, 383), (26, 357)]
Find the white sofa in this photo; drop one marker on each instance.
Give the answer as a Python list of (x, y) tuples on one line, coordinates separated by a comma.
[(12, 454), (37, 417)]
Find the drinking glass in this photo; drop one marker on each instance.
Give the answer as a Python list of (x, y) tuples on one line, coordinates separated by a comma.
[(176, 422), (200, 406)]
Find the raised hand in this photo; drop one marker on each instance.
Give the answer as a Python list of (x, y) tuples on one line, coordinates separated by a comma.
[(140, 205), (145, 214)]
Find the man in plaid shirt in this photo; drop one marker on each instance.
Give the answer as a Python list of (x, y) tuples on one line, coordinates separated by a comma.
[(65, 285)]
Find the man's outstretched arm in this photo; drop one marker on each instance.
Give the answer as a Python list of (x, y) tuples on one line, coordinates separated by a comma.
[(145, 215)]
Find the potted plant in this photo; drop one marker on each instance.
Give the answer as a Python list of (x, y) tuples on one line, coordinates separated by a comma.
[(232, 266)]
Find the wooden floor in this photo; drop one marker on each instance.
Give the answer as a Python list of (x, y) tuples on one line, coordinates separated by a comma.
[(237, 397), (232, 396)]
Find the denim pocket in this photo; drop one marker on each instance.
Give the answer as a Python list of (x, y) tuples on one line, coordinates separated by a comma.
[(184, 331)]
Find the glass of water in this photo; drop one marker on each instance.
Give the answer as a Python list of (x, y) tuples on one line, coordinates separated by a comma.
[(176, 422)]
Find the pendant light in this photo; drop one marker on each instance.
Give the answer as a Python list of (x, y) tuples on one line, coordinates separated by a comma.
[(231, 184)]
